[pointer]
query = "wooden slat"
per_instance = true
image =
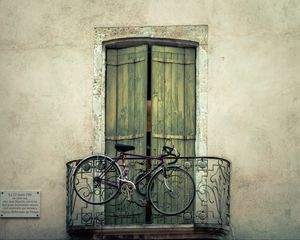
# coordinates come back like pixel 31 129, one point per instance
pixel 190 97
pixel 131 129
pixel 140 94
pixel 122 96
pixel 111 100
pixel 158 98
pixel 111 93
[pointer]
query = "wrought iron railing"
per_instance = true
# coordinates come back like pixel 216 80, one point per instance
pixel 211 207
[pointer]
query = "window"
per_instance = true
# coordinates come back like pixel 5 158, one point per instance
pixel 150 102
pixel 122 39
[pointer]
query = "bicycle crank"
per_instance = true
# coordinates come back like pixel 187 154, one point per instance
pixel 127 188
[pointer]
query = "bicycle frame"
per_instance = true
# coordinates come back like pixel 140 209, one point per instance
pixel 124 155
pixel 131 156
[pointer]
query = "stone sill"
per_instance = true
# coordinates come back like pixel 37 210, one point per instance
pixel 151 232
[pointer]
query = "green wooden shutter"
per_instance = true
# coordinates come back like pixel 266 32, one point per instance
pixel 173 105
pixel 126 93
pixel 173 114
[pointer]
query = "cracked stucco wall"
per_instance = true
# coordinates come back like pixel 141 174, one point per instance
pixel 46 92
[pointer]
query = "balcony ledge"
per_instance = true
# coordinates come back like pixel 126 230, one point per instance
pixel 175 231
pixel 209 216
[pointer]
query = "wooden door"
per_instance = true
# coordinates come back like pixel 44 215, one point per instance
pixel 126 92
pixel 173 108
pixel 171 78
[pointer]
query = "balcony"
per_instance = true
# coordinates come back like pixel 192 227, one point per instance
pixel 208 217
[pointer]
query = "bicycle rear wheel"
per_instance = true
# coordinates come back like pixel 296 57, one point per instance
pixel 96 179
pixel 173 194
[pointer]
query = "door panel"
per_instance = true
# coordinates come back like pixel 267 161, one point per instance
pixel 126 92
pixel 172 115
pixel 173 107
pixel 173 98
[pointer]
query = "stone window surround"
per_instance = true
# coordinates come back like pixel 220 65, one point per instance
pixel 193 33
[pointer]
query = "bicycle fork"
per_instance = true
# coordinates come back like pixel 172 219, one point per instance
pixel 167 182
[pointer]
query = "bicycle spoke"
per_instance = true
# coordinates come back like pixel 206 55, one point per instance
pixel 172 194
pixel 96 180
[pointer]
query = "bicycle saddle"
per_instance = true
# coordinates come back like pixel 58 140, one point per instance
pixel 123 148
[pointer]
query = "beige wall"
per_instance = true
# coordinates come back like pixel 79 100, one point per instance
pixel 46 79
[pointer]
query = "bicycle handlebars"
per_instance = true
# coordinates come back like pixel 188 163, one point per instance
pixel 169 151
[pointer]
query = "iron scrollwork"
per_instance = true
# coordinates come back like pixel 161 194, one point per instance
pixel 213 191
pixel 211 205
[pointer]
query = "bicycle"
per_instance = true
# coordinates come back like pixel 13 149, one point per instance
pixel 98 179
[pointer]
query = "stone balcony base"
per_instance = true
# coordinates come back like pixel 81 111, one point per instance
pixel 151 232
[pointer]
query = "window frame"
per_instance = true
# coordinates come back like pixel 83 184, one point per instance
pixel 131 42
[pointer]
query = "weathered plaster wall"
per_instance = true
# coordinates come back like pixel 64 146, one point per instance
pixel 46 80
pixel 253 118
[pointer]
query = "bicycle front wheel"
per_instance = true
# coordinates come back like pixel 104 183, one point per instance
pixel 96 179
pixel 172 192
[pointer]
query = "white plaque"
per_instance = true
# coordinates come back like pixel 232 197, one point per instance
pixel 20 204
